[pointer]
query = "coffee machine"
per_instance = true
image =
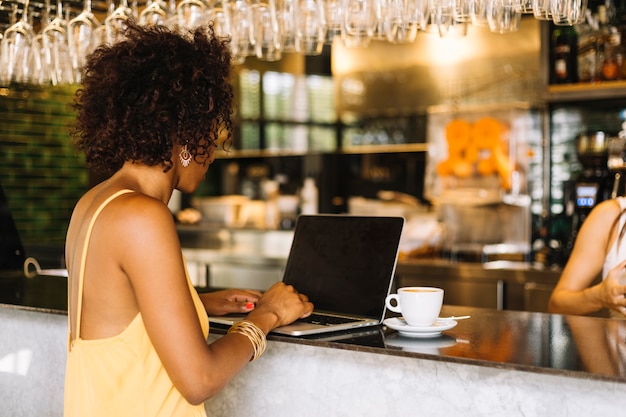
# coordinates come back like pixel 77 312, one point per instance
pixel 603 176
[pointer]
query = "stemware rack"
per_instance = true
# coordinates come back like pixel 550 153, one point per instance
pixel 37 8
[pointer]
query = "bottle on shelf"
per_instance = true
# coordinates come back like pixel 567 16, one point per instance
pixel 587 48
pixel 610 52
pixel 309 197
pixel 618 51
pixel 620 23
pixel 271 191
pixel 565 55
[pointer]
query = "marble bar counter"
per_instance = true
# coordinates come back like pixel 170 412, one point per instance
pixel 496 363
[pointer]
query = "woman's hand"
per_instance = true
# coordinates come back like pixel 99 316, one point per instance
pixel 280 305
pixel 219 303
pixel 575 293
pixel 612 291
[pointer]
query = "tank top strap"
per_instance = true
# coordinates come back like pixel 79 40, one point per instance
pixel 83 261
pixel 620 225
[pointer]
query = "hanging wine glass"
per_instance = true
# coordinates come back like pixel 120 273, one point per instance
pixel 35 58
pixel 116 22
pixel 359 23
pixel 382 10
pixel 526 6
pixel 56 62
pixel 222 28
pixel 478 12
pixel 311 27
pixel 190 13
pixel 442 15
pixel 265 34
pixel 4 51
pixel 542 9
pixel 16 46
pixel 156 12
pixel 286 15
pixel 418 13
pixel 239 16
pixel 100 32
pixel 81 38
pixel 504 16
pixel 221 25
pixel 399 27
pixel 333 15
pixel 568 12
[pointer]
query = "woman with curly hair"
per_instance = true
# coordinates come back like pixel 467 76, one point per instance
pixel 151 111
pixel 599 251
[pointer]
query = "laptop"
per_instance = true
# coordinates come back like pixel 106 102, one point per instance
pixel 345 264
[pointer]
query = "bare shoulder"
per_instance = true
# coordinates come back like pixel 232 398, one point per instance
pixel 139 212
pixel 611 205
pixel 598 228
pixel 136 203
pixel 140 234
pixel 605 212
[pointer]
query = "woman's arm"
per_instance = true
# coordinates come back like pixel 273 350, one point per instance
pixel 150 255
pixel 218 303
pixel 573 293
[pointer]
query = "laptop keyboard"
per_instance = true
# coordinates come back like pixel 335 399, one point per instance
pixel 326 320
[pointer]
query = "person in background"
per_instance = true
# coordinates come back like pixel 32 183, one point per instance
pixel 151 111
pixel 599 251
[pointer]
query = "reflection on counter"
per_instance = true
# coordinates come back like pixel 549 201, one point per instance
pixel 601 345
pixel 428 346
pixel 570 345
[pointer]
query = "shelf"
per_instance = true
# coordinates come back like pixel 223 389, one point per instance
pixel 400 148
pixel 586 92
pixel 260 153
pixel 364 149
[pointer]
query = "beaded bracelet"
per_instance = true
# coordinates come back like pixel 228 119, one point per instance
pixel 253 333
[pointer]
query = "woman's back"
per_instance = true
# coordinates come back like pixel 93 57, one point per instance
pixel 119 375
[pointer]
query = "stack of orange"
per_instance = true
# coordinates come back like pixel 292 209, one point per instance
pixel 477 148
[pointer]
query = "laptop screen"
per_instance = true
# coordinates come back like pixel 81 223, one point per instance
pixel 344 264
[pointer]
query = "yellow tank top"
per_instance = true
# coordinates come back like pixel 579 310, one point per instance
pixel 122 375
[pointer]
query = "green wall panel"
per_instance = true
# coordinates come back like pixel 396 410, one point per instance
pixel 40 171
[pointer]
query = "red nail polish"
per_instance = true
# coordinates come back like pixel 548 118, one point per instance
pixel 249 306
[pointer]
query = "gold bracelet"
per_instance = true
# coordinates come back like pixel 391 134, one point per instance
pixel 253 333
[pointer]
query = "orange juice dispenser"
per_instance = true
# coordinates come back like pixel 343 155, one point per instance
pixel 475 178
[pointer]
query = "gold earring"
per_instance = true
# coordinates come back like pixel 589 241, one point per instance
pixel 185 156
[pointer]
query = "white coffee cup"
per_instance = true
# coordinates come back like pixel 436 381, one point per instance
pixel 420 306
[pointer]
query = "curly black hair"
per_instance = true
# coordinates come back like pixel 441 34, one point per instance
pixel 156 88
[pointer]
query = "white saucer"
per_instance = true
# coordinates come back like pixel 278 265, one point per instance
pixel 434 330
